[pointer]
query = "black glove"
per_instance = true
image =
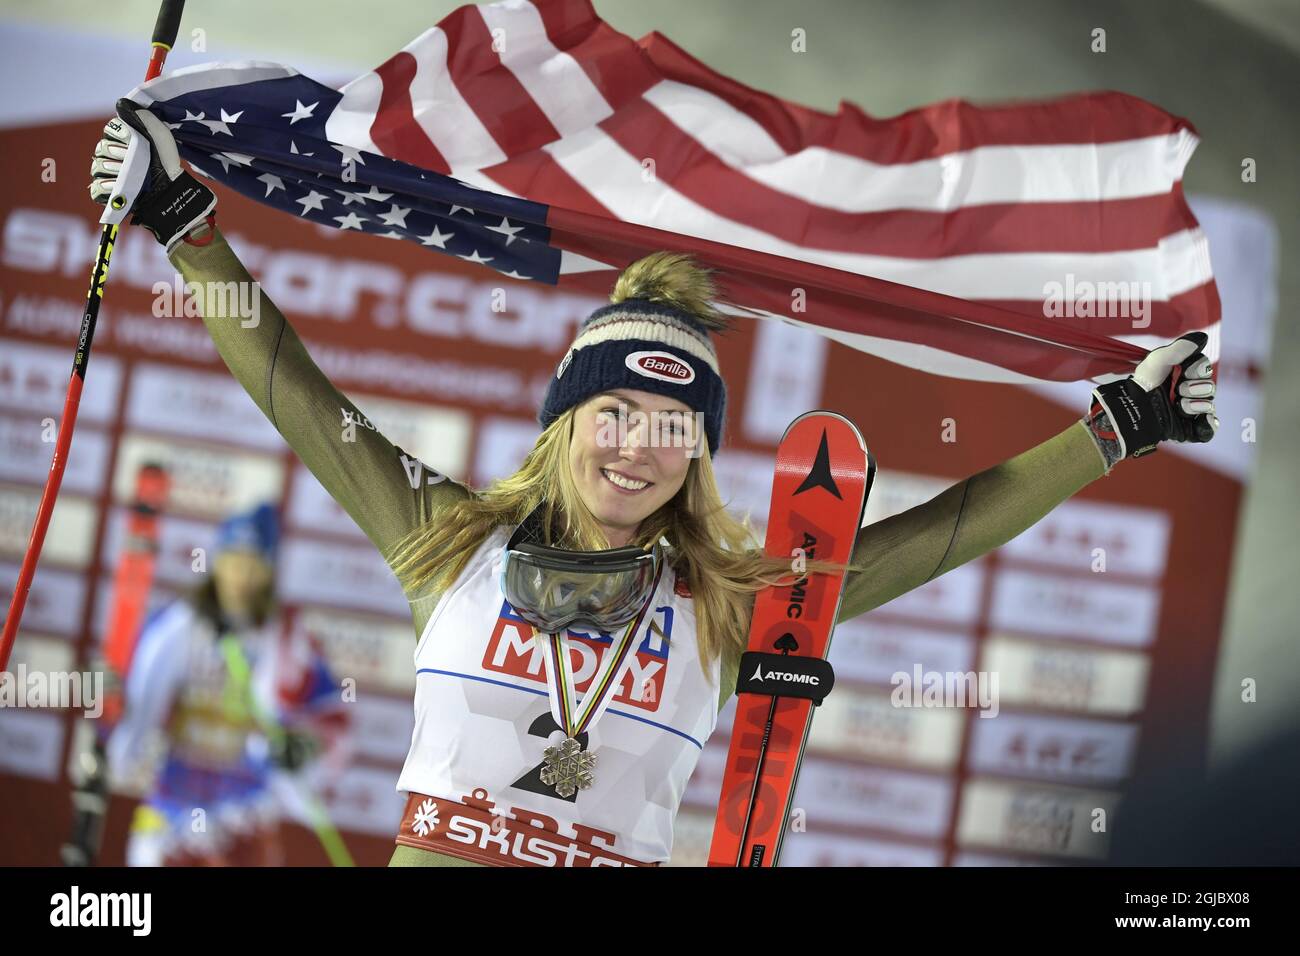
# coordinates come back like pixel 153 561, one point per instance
pixel 1169 397
pixel 137 170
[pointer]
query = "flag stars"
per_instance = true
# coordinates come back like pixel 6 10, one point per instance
pixel 350 154
pixel 349 197
pixel 396 216
pixel 311 201
pixel 506 230
pixel 437 238
pixel 222 125
pixel 239 159
pixel 350 221
pixel 272 183
pixel 326 198
pixel 299 111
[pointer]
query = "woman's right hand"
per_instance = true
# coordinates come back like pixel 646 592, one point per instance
pixel 137 169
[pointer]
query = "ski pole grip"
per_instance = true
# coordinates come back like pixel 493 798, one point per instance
pixel 168 23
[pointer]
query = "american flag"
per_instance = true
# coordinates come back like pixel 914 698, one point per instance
pixel 533 138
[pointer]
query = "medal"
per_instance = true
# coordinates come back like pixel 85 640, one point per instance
pixel 568 768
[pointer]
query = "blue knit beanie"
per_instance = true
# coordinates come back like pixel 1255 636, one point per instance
pixel 256 530
pixel 646 344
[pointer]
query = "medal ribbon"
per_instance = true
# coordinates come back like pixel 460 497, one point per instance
pixel 573 718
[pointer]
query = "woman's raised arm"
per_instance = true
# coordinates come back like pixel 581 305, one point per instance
pixel 386 491
pixel 972 517
pixel 1169 397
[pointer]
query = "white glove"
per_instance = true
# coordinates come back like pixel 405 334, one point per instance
pixel 137 169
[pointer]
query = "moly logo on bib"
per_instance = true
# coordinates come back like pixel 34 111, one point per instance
pixel 512 650
pixel 663 366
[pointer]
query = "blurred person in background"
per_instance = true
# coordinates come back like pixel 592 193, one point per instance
pixel 215 706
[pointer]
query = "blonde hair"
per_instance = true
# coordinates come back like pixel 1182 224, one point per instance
pixel 718 556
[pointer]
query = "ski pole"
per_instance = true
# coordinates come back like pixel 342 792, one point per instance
pixel 164 35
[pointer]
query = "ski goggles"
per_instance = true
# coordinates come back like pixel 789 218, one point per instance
pixel 552 588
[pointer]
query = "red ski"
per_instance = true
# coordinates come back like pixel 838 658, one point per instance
pixel 823 474
pixel 133 579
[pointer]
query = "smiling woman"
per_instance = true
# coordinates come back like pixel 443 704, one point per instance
pixel 624 482
pixel 495 700
pixel 631 420
pixel 644 371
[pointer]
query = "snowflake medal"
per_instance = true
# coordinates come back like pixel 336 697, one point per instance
pixel 568 768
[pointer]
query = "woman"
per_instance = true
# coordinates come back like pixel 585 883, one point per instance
pixel 506 766
pixel 206 703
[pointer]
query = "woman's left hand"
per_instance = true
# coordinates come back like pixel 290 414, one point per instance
pixel 1169 397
